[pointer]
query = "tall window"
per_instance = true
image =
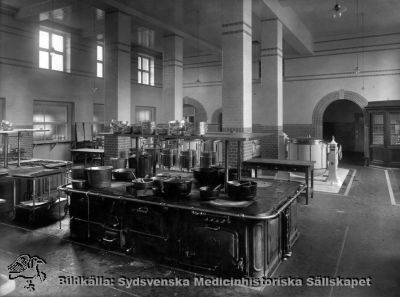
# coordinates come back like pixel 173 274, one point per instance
pixel 145 70
pixel 53 116
pixel 145 113
pixel 51 50
pixel 100 60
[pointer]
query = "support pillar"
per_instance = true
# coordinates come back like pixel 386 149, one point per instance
pixel 237 66
pixel 172 79
pixel 271 89
pixel 117 74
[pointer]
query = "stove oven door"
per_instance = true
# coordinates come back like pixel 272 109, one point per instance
pixel 146 228
pixel 213 248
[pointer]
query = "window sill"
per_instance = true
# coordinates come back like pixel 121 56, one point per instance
pixel 51 142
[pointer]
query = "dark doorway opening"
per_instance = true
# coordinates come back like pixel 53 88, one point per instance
pixel 344 120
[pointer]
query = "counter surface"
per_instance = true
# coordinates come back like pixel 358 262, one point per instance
pixel 268 199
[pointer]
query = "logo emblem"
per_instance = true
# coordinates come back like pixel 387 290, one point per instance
pixel 27 267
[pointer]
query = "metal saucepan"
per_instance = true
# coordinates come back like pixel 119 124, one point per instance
pixel 177 187
pixel 142 183
pixel 209 193
pixel 242 190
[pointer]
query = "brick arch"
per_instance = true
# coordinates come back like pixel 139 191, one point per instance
pixel 318 113
pixel 201 113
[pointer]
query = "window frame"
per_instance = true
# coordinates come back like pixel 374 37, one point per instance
pixel 100 61
pixel 150 71
pixel 146 108
pixel 68 123
pixel 51 50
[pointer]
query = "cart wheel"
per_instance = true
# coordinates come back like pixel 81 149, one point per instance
pixel 11 215
pixel 31 218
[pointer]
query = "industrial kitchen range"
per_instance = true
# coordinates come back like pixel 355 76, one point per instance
pixel 203 217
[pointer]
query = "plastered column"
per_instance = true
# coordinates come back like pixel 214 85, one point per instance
pixel 271 88
pixel 117 74
pixel 237 66
pixel 172 79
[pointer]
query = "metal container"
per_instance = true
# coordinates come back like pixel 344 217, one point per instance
pixel 118 162
pixel 242 190
pixel 177 187
pixel 78 172
pixel 124 174
pixel 209 193
pixel 201 128
pixel 145 165
pixel 100 176
pixel 132 162
pixel 142 183
pixel 187 159
pixel 309 149
pixel 208 176
pixel 207 159
pixel 78 183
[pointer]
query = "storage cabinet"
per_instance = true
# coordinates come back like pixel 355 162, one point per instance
pixel 384 138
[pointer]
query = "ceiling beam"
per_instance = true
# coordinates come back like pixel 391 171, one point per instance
pixel 297 35
pixel 154 21
pixel 38 8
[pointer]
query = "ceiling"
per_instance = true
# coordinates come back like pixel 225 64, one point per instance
pixel 203 19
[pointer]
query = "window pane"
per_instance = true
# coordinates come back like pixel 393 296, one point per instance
pixel 99 53
pixel 143 115
pixel 57 62
pixel 145 64
pixel 139 63
pixel 377 119
pixel 54 113
pixel 44 59
pixel 57 42
pixel 395 118
pixel 145 78
pixel 44 39
pixel 139 77
pixel 99 69
pixel 152 72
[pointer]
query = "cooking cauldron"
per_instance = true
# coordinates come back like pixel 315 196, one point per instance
pixel 177 187
pixel 242 190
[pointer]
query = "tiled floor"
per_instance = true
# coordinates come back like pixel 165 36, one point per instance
pixel 355 236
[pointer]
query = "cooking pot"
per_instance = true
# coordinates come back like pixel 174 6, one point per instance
pixel 209 193
pixel 142 183
pixel 208 176
pixel 125 174
pixel 242 190
pixel 158 181
pixel 99 176
pixel 78 172
pixel 177 187
pixel 78 183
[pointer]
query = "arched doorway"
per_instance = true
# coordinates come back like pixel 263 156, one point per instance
pixel 193 110
pixel 345 120
pixel 216 119
pixel 360 121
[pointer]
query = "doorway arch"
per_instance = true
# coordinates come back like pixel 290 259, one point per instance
pixel 318 113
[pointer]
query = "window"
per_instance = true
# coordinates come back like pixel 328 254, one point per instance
pixel 145 37
pixel 98 118
pixel 100 60
pixel 377 129
pixel 146 70
pixel 52 50
pixel 394 128
pixel 145 113
pixel 53 116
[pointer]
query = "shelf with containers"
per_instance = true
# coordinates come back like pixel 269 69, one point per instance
pixel 225 138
